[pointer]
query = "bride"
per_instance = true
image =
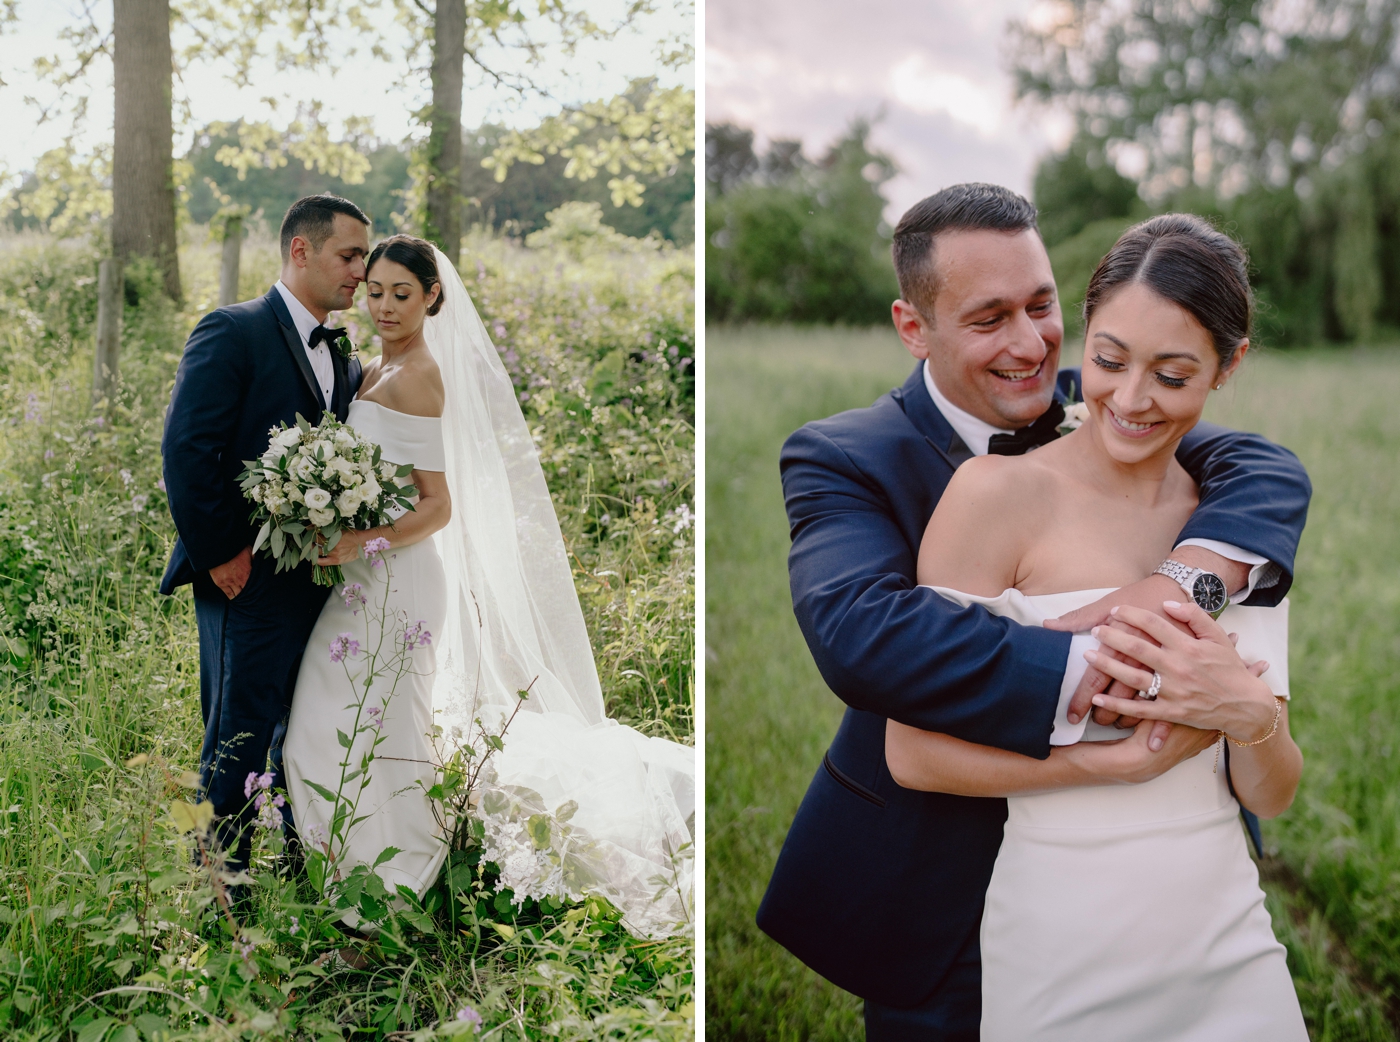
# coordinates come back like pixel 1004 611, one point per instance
pixel 1124 912
pixel 479 566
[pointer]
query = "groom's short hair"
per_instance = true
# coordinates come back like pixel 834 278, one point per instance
pixel 313 218
pixel 972 207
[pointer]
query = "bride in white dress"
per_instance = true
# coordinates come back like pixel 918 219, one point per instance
pixel 482 564
pixel 1124 911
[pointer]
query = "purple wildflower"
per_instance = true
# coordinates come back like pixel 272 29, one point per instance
pixel 296 926
pixel 354 596
pixel 344 646
pixel 31 412
pixel 470 1015
pixel 376 717
pixel 417 635
pixel 160 484
pixel 48 454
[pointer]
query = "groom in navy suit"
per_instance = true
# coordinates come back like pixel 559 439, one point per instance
pixel 247 368
pixel 978 308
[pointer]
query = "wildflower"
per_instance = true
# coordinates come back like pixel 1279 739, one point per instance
pixel 354 596
pixel 376 546
pixel 296 926
pixel 99 422
pixel 31 412
pixel 344 646
pixel 160 484
pixel 138 502
pixel 683 518
pixel 470 1015
pixel 417 635
pixel 316 836
pixel 48 454
pixel 256 781
pixel 126 477
pixel 376 717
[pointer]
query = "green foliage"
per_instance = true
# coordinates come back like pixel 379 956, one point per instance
pixel 1267 122
pixel 1079 188
pixel 1334 855
pixel 107 929
pixel 804 244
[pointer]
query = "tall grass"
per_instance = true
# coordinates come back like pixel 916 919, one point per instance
pixel 105 930
pixel 1333 856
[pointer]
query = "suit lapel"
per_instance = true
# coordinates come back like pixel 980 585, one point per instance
pixel 293 341
pixel 927 420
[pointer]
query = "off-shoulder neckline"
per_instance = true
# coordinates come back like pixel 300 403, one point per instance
pixel 406 415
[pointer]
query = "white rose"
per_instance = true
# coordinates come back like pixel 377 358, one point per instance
pixel 348 502
pixel 289 438
pixel 321 518
pixel 365 467
pixel 322 448
pixel 294 494
pixel 317 499
pixel 387 470
pixel 370 490
pixel 304 468
pixel 272 455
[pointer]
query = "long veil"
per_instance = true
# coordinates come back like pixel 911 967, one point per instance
pixel 619 804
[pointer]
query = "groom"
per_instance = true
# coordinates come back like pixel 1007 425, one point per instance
pixel 247 368
pixel 879 888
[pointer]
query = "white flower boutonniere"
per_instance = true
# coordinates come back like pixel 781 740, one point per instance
pixel 1075 415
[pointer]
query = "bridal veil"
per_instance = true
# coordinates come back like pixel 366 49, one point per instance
pixel 514 622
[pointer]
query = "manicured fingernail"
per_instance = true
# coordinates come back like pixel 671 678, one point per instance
pixel 1094 632
pixel 1155 744
pixel 1171 604
pixel 1072 717
pixel 1099 700
pixel 1113 610
pixel 1091 656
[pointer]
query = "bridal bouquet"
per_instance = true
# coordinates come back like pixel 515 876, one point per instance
pixel 312 484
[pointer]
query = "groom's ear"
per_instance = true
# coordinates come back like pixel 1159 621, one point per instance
pixel 912 327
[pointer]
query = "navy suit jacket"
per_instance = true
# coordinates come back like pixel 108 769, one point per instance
pixel 244 371
pixel 878 887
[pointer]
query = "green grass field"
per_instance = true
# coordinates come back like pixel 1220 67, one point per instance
pixel 1334 858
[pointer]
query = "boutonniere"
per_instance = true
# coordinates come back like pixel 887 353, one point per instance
pixel 345 347
pixel 1075 415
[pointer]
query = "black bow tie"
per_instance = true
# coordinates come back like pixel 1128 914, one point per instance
pixel 320 333
pixel 1043 430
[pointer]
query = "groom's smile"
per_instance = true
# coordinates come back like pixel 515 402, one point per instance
pixel 988 323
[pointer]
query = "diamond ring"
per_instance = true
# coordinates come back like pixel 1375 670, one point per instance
pixel 1154 689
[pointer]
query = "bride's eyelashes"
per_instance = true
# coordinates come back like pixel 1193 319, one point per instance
pixel 1117 367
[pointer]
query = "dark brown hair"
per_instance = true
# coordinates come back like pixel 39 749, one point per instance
pixel 1181 258
pixel 414 254
pixel 313 218
pixel 961 208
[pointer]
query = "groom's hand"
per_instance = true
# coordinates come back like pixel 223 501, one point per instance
pixel 232 576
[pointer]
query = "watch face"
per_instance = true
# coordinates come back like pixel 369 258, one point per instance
pixel 1208 591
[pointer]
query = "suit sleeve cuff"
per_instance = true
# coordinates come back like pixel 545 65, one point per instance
pixel 1064 732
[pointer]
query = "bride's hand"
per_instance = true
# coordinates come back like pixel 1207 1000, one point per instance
pixel 1204 683
pixel 350 548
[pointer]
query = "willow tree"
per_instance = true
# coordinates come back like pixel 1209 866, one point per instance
pixel 1281 118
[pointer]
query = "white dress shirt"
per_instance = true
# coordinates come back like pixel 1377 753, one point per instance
pixel 976 435
pixel 320 355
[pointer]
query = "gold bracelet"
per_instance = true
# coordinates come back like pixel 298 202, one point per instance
pixel 1278 714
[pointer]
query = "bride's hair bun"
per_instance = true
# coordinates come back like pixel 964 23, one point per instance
pixel 414 254
pixel 1181 258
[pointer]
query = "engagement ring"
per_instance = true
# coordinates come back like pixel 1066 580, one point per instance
pixel 1153 689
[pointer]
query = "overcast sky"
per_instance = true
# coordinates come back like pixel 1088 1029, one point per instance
pixel 805 68
pixel 364 87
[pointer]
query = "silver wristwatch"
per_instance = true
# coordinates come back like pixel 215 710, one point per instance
pixel 1205 588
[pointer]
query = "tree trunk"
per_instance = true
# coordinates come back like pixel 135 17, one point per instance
pixel 109 328
pixel 143 188
pixel 444 223
pixel 228 270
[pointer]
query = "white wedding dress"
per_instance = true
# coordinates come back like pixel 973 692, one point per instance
pixel 574 803
pixel 1133 912
pixel 394 802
